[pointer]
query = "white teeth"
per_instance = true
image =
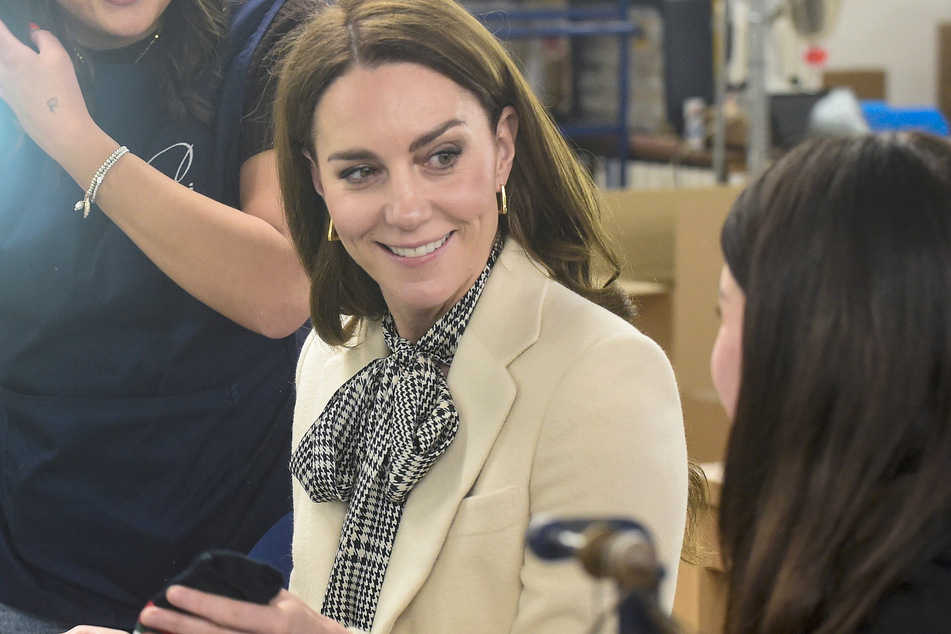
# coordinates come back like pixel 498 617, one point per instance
pixel 419 251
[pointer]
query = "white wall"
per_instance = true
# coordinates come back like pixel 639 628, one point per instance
pixel 899 36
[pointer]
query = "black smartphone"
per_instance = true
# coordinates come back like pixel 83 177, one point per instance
pixel 225 573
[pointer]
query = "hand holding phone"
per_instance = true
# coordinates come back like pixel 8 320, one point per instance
pixel 225 573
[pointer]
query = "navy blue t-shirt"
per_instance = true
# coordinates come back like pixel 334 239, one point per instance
pixel 138 427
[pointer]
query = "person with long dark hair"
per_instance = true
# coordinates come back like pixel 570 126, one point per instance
pixel 470 367
pixel 834 360
pixel 150 299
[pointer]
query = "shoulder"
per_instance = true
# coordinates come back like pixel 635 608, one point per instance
pixel 316 354
pixel 322 368
pixel 290 14
pixel 597 366
pixel 525 303
pixel 522 266
pixel 566 314
pixel 260 82
pixel 561 343
pixel 564 307
pixel 267 26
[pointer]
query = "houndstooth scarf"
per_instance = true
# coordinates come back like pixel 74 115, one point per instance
pixel 377 437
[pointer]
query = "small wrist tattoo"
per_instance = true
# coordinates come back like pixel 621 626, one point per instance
pixel 52 104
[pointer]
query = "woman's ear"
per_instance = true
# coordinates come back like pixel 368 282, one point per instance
pixel 505 133
pixel 314 172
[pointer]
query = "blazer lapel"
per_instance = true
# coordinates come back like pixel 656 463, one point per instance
pixel 483 392
pixel 336 371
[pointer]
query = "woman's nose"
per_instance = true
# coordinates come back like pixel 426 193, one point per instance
pixel 408 206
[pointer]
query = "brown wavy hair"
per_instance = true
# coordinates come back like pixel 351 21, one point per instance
pixel 554 206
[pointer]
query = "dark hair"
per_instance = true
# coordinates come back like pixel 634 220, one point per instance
pixel 192 36
pixel 554 207
pixel 835 484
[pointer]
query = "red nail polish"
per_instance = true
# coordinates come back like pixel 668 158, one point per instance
pixel 34 26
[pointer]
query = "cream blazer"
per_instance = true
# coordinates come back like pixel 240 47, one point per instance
pixel 565 409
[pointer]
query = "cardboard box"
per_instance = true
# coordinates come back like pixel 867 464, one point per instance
pixel 669 240
pixel 944 69
pixel 700 601
pixel 866 83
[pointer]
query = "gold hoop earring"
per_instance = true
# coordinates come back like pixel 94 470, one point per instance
pixel 502 201
pixel 331 232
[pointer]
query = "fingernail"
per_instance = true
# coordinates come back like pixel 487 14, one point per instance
pixel 34 26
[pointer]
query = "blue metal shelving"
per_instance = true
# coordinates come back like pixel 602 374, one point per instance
pixel 608 20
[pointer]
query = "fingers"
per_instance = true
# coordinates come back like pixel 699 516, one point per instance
pixel 12 48
pixel 229 612
pixel 89 629
pixel 45 40
pixel 165 620
pixel 213 614
pixel 207 614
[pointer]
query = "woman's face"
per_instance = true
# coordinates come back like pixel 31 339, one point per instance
pixel 726 358
pixel 408 165
pixel 107 24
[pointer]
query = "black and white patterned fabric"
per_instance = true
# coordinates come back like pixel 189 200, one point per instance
pixel 377 437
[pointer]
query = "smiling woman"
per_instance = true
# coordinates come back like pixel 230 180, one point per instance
pixel 466 371
pixel 407 161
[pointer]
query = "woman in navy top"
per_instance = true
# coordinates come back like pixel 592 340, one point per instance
pixel 147 350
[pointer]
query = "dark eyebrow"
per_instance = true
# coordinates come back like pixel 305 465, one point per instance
pixel 432 136
pixel 429 137
pixel 350 155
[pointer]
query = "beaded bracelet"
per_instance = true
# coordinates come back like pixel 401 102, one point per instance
pixel 97 179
